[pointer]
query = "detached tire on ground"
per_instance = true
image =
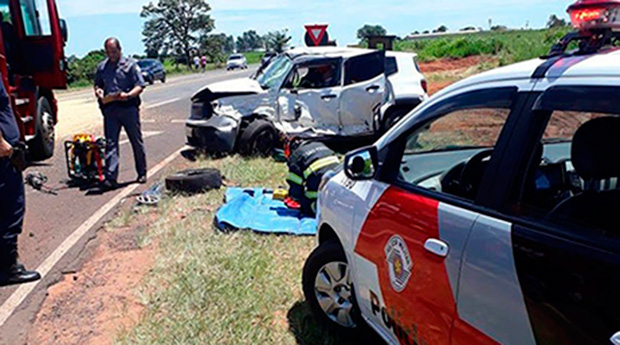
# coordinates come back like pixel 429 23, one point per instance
pixel 42 145
pixel 329 291
pixel 194 181
pixel 258 139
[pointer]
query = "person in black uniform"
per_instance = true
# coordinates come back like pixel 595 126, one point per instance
pixel 12 199
pixel 308 162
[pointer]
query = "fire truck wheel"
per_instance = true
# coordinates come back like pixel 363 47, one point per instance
pixel 194 181
pixel 258 139
pixel 329 291
pixel 42 145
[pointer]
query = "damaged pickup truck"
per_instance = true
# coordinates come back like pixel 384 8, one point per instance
pixel 323 93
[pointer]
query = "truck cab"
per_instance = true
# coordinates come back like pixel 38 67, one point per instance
pixel 32 64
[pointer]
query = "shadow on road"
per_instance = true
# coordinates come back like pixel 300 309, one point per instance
pixel 308 332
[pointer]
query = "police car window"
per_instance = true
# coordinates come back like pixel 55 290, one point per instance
pixel 363 68
pixel 437 156
pixel 35 14
pixel 567 180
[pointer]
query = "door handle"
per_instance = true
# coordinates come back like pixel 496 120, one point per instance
pixel 372 88
pixel 328 97
pixel 437 247
pixel 615 339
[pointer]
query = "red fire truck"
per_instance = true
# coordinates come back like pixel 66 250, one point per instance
pixel 32 64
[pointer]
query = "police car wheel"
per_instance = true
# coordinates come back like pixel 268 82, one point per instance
pixel 329 290
pixel 42 145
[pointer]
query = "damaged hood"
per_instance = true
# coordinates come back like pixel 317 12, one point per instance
pixel 235 87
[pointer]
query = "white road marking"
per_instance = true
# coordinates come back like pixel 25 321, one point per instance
pixel 145 134
pixel 147 120
pixel 162 103
pixel 178 121
pixel 18 297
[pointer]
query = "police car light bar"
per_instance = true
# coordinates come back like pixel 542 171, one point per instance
pixel 595 14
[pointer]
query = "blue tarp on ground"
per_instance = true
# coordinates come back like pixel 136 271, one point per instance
pixel 254 209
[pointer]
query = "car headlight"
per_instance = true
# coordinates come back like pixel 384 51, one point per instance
pixel 198 111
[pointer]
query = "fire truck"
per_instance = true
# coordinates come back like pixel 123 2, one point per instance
pixel 32 65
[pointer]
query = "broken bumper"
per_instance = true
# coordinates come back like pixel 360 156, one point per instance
pixel 215 135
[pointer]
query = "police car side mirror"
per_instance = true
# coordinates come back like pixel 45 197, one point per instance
pixel 361 164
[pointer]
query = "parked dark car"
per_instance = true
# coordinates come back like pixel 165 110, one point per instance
pixel 152 70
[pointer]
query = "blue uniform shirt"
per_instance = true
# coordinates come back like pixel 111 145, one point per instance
pixel 119 77
pixel 8 125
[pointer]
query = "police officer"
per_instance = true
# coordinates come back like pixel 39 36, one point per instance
pixel 12 199
pixel 118 85
pixel 308 162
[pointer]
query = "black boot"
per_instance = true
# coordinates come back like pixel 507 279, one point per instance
pixel 17 274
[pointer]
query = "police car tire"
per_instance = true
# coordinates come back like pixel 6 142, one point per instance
pixel 248 139
pixel 194 181
pixel 330 251
pixel 40 149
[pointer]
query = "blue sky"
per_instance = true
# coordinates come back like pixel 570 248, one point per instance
pixel 91 21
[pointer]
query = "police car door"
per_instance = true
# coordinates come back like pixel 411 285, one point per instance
pixel 409 251
pixel 363 93
pixel 310 95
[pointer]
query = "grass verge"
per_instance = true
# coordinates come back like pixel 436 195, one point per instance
pixel 213 288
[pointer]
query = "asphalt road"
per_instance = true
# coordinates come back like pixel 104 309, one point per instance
pixel 52 221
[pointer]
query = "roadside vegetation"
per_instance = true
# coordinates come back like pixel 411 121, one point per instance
pixel 508 46
pixel 209 287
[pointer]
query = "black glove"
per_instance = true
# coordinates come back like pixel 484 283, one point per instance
pixel 19 157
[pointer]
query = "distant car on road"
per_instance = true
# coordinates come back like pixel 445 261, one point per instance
pixel 236 61
pixel 267 57
pixel 152 70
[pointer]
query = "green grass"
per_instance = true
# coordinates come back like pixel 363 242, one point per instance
pixel 509 47
pixel 253 57
pixel 227 289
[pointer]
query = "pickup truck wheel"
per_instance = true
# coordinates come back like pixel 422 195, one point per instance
pixel 328 289
pixel 258 139
pixel 163 79
pixel 42 145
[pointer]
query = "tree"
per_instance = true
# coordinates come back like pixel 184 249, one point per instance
pixel 442 28
pixel 217 46
pixel 370 30
pixel 277 40
pixel 468 28
pixel 249 41
pixel 555 22
pixel 499 28
pixel 176 25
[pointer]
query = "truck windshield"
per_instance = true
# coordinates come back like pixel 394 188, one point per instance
pixel 5 12
pixel 35 15
pixel 275 73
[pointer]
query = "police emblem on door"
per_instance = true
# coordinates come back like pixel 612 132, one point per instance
pixel 399 262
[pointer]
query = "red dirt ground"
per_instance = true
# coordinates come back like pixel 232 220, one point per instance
pixel 91 306
pixel 443 65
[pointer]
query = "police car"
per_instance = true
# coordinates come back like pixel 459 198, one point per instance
pixel 490 214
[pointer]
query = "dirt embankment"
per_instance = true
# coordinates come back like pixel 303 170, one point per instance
pixel 92 305
pixel 444 72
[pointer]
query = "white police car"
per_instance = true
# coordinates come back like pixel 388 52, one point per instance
pixel 489 215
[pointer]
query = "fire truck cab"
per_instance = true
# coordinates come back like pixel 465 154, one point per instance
pixel 32 64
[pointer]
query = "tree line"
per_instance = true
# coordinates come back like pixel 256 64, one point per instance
pixel 178 30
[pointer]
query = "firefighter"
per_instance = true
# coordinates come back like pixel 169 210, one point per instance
pixel 12 198
pixel 118 85
pixel 307 162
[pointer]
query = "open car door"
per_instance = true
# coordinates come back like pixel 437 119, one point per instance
pixel 363 93
pixel 42 35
